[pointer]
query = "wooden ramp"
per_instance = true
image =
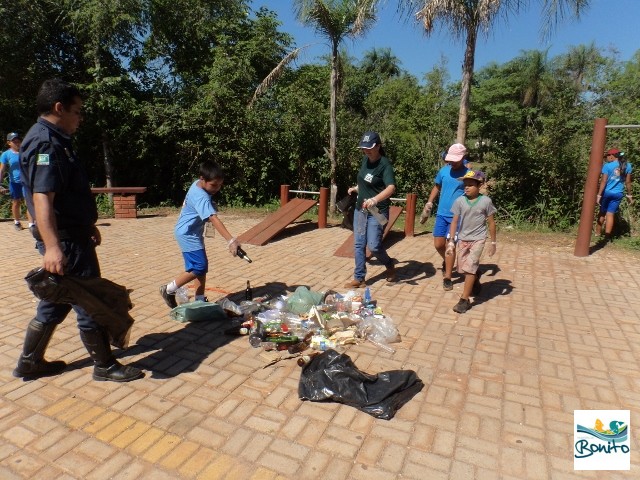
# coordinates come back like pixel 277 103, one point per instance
pixel 346 249
pixel 277 221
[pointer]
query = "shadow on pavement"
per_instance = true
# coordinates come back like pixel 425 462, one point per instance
pixel 409 272
pixel 184 350
pixel 492 288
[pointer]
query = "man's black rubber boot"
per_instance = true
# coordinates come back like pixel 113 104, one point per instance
pixel 106 367
pixel 31 363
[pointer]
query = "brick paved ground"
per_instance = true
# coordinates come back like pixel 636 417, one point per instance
pixel 552 333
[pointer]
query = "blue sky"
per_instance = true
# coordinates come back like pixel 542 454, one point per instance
pixel 610 24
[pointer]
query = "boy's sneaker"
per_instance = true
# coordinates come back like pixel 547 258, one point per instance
pixel 17 226
pixel 477 286
pixel 462 306
pixel 169 298
pixel 447 284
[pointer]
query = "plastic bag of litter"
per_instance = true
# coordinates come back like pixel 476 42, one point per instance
pixel 303 299
pixel 331 376
pixel 198 311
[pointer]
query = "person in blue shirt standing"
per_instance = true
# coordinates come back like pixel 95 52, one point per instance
pixel 10 160
pixel 615 178
pixel 198 209
pixel 447 188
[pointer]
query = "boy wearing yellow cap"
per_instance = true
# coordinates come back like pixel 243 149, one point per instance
pixel 472 212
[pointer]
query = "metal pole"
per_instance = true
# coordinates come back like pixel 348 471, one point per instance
pixel 585 226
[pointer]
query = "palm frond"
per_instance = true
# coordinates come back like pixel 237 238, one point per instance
pixel 365 17
pixel 276 73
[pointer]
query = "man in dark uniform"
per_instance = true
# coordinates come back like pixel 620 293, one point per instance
pixel 59 198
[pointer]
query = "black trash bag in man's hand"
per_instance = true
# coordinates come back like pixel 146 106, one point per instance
pixel 331 376
pixel 107 302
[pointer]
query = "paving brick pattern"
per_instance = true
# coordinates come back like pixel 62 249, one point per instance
pixel 551 333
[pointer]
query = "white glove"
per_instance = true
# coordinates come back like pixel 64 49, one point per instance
pixel 369 202
pixel 426 212
pixel 234 244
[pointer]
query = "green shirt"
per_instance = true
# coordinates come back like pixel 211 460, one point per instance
pixel 373 178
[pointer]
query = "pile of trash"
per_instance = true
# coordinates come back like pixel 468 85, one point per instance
pixel 315 327
pixel 315 321
pixel 305 320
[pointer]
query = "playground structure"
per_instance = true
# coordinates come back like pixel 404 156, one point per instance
pixel 292 208
pixel 598 142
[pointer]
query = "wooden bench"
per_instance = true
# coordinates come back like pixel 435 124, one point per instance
pixel 346 249
pixel 124 199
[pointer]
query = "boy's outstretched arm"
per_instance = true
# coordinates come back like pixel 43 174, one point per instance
pixel 222 230
pixel 492 234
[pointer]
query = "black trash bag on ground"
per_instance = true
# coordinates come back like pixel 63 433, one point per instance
pixel 107 302
pixel 347 206
pixel 331 376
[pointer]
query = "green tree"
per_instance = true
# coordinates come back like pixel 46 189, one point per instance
pixel 107 33
pixel 467 19
pixel 335 20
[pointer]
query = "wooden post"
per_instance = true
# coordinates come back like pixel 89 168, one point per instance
pixel 322 207
pixel 410 215
pixel 284 195
pixel 598 141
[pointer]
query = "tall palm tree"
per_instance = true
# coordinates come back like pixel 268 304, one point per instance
pixel 584 63
pixel 466 19
pixel 335 20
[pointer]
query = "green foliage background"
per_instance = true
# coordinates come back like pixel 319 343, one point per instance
pixel 164 90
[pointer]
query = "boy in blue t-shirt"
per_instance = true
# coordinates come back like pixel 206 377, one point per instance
pixel 448 188
pixel 10 160
pixel 198 209
pixel 616 177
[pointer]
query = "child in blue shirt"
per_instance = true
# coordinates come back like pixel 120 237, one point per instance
pixel 616 176
pixel 198 209
pixel 447 188
pixel 10 160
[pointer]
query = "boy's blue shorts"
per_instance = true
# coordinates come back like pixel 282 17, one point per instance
pixel 15 191
pixel 196 262
pixel 442 226
pixel 610 203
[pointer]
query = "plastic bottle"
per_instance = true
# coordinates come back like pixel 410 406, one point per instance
pixel 248 293
pixel 257 334
pixel 243 255
pixel 382 220
pixel 302 345
pixel 367 296
pixel 182 295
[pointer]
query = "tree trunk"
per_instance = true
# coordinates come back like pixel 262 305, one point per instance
pixel 467 78
pixel 108 164
pixel 106 156
pixel 333 128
